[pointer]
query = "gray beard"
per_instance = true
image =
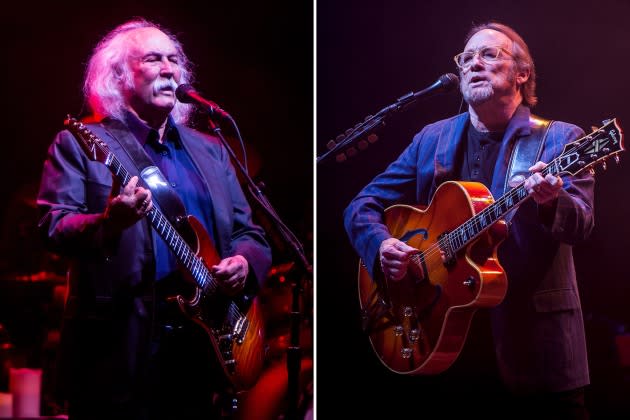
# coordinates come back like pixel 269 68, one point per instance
pixel 478 95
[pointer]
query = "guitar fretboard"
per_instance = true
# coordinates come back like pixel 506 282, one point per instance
pixel 458 238
pixel 98 150
pixel 171 236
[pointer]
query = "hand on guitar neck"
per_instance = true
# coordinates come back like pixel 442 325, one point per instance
pixel 128 207
pixel 543 189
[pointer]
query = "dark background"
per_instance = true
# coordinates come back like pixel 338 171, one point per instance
pixel 371 53
pixel 255 59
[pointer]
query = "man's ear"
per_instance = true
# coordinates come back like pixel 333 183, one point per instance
pixel 522 76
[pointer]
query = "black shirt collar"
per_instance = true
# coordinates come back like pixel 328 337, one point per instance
pixel 144 133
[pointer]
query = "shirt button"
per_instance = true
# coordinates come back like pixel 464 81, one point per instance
pixel 173 184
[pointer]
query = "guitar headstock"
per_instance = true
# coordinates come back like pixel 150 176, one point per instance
pixel 592 149
pixel 95 148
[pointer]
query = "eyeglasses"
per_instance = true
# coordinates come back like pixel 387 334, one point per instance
pixel 486 54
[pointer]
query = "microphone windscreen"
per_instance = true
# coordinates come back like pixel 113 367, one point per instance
pixel 449 81
pixel 182 93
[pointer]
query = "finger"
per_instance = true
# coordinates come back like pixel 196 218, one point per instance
pixel 403 247
pixel 149 200
pixel 396 274
pixel 554 181
pixel 395 254
pixel 394 264
pixel 143 202
pixel 236 280
pixel 532 183
pixel 537 167
pixel 220 268
pixel 131 186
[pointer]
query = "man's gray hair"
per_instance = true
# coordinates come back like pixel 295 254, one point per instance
pixel 108 72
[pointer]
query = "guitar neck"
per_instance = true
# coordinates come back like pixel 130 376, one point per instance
pixel 185 255
pixel 460 237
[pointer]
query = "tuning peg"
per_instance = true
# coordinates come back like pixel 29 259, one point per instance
pixel 331 145
pixel 362 144
pixel 341 157
pixel 351 152
pixel 372 138
pixel 591 171
pixel 604 166
pixel 594 129
pixel 617 159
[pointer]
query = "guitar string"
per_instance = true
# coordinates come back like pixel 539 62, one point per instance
pixel 189 258
pixel 473 224
pixel 194 264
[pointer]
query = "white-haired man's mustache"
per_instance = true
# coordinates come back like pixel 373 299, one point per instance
pixel 164 84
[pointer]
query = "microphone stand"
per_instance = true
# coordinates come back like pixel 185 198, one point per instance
pixel 372 122
pixel 294 352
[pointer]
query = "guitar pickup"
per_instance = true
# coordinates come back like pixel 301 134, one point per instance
pixel 240 328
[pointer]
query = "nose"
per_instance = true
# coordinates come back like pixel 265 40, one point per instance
pixel 167 68
pixel 476 61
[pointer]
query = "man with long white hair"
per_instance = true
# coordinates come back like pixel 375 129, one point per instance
pixel 124 353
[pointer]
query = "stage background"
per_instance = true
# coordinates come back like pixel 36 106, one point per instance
pixel 371 53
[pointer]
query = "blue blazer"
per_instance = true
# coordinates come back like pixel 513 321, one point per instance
pixel 538 329
pixel 107 320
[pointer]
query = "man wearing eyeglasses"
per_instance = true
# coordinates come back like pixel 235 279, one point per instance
pixel 537 328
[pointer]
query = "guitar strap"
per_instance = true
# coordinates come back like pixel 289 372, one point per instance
pixel 162 193
pixel 526 152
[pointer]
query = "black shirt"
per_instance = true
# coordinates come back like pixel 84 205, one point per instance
pixel 479 155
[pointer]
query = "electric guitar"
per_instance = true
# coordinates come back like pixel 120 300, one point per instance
pixel 234 326
pixel 418 325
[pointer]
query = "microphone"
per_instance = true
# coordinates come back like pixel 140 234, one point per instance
pixel 446 83
pixel 187 94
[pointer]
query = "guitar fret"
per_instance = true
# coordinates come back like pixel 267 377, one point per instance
pixel 196 269
pixel 186 259
pixel 482 219
pixel 503 206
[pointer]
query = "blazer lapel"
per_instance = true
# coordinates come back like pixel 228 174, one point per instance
pixel 446 150
pixel 209 171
